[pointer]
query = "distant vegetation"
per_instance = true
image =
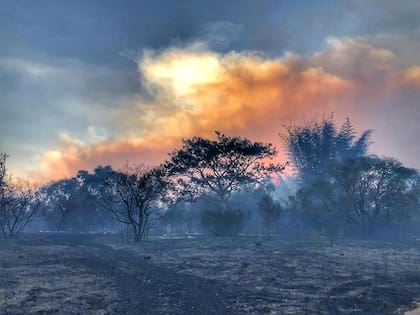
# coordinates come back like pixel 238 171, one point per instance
pixel 226 187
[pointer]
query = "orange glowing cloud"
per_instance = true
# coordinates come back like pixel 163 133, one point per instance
pixel 240 93
pixel 409 77
pixel 72 155
pixel 195 91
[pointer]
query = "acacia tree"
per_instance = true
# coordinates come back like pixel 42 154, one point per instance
pixel 365 191
pixel 312 147
pixel 133 195
pixel 215 169
pixel 19 202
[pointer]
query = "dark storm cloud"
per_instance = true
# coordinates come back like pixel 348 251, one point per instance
pixel 97 30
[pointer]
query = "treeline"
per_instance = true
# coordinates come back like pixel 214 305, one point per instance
pixel 228 186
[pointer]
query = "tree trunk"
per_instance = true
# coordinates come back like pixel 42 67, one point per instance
pixel 138 238
pixel 137 234
pixel 369 228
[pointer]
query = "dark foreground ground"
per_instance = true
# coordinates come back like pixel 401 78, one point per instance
pixel 65 274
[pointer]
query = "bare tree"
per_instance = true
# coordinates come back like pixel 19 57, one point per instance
pixel 3 171
pixel 3 185
pixel 19 202
pixel 133 195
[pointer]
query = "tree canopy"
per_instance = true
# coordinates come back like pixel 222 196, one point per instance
pixel 218 168
pixel 312 147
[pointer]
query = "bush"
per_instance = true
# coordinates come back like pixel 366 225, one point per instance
pixel 223 223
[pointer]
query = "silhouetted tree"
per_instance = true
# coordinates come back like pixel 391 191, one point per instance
pixel 312 147
pixel 366 191
pixel 133 195
pixel 95 215
pixel 69 204
pixel 215 169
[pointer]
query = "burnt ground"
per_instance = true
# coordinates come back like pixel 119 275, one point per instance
pixel 48 274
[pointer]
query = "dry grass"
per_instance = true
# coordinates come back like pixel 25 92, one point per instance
pixel 49 275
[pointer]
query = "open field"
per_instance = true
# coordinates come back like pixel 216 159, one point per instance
pixel 48 274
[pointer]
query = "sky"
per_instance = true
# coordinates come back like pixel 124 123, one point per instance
pixel 84 83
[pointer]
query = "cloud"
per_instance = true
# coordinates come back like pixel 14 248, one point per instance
pixel 40 98
pixel 220 34
pixel 196 91
pixel 410 77
pixel 237 92
pixel 28 68
pixel 356 59
pixel 71 155
pixel 193 90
